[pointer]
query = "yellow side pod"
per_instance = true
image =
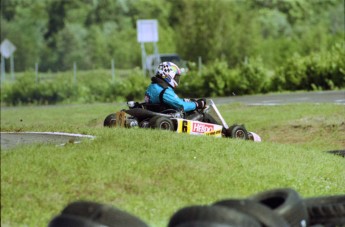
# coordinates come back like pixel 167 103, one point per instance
pixel 198 128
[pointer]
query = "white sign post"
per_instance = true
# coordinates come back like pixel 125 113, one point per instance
pixel 7 49
pixel 147 31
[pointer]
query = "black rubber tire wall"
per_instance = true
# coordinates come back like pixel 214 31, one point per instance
pixel 103 214
pixel 263 214
pixel 287 203
pixel 210 215
pixel 329 210
pixel 72 221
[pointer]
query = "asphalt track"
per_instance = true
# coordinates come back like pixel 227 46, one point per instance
pixel 337 97
pixel 12 139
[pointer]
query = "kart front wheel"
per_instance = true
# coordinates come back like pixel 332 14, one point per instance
pixel 238 132
pixel 162 123
pixel 110 121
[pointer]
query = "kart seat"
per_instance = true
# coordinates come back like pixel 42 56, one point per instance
pixel 155 107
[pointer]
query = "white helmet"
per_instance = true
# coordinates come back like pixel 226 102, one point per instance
pixel 169 72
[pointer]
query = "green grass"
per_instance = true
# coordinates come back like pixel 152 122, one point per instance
pixel 152 174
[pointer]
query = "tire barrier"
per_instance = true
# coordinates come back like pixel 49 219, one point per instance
pixel 327 211
pixel 286 203
pixel 338 152
pixel 91 214
pixel 282 207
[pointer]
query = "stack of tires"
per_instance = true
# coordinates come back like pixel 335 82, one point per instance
pixel 273 208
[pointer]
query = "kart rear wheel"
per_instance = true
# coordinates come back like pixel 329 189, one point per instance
pixel 110 121
pixel 144 124
pixel 238 132
pixel 161 123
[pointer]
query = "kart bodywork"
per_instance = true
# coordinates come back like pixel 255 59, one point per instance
pixel 207 121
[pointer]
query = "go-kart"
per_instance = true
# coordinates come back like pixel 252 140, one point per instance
pixel 207 121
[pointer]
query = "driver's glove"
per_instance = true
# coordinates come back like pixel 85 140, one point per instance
pixel 200 103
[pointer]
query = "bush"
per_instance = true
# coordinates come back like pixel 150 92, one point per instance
pixel 253 77
pixel 91 86
pixel 191 83
pixel 318 71
pixel 217 79
pixel 290 75
pixel 132 87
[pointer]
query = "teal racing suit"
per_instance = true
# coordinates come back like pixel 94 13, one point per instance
pixel 159 92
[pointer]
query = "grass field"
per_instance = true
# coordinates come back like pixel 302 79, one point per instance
pixel 152 174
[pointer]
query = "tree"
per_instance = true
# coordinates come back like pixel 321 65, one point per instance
pixel 22 22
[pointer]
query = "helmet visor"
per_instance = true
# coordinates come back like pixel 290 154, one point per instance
pixel 175 69
pixel 177 72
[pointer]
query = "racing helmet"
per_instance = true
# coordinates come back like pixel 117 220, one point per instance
pixel 169 72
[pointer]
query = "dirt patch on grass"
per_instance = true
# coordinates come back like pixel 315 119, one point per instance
pixel 306 130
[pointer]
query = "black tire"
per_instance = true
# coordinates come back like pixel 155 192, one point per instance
pixel 72 221
pixel 287 203
pixel 110 121
pixel 144 124
pixel 338 152
pixel 328 211
pixel 238 132
pixel 263 214
pixel 162 123
pixel 203 224
pixel 102 214
pixel 210 216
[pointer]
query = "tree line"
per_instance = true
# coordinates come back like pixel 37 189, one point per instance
pixel 56 33
pixel 246 47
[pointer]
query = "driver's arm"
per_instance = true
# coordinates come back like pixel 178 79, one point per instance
pixel 171 98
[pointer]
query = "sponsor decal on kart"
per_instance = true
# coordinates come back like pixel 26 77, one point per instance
pixel 198 128
pixel 202 127
pixel 214 133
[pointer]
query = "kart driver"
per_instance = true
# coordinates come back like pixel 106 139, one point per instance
pixel 161 90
